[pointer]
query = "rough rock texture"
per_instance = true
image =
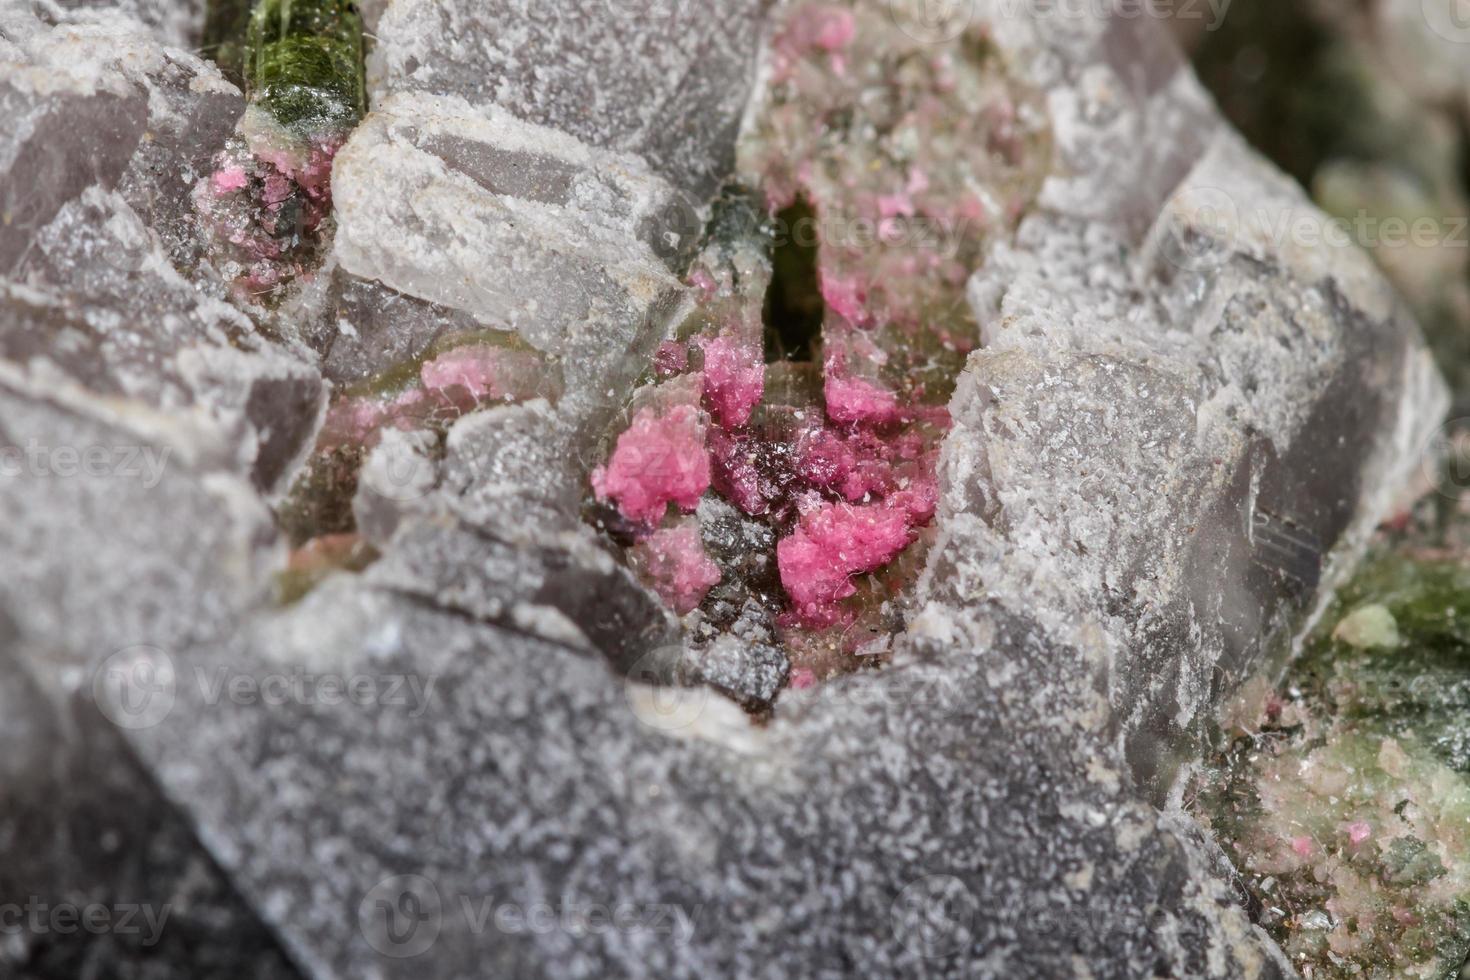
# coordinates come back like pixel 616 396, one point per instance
pixel 141 421
pixel 1341 795
pixel 93 99
pixel 801 849
pixel 665 81
pixel 99 246
pixel 1147 442
pixel 1145 493
pixel 571 231
pixel 124 526
pixel 177 23
pixel 84 826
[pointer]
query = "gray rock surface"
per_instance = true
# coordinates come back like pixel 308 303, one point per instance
pixel 85 828
pixel 662 80
pixel 569 231
pixel 124 525
pixel 95 100
pixel 452 765
pixel 913 822
pixel 98 253
pixel 1152 443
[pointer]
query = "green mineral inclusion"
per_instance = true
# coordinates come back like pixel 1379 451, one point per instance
pixel 1346 805
pixel 304 64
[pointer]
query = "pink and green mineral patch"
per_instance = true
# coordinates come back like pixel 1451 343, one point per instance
pixel 804 401
pixel 456 375
pixel 269 199
pixel 1344 797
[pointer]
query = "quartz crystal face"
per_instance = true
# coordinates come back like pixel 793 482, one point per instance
pixel 776 473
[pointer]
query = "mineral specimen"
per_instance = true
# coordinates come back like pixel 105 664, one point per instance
pixel 885 341
pixel 885 227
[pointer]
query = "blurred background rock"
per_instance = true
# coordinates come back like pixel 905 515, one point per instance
pixel 1367 104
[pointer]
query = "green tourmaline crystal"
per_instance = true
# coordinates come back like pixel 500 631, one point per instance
pixel 304 63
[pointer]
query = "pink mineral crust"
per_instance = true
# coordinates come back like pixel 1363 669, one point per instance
pixel 263 206
pixel 802 678
pixel 859 400
pixel 229 178
pixel 358 420
pixel 845 295
pixel 832 543
pixel 701 280
pixel 1302 846
pixel 918 500
pixel 676 563
pixel 734 379
pixel 837 460
pixel 475 367
pixel 659 460
pixel 735 473
pixel 1358 831
pixel 823 28
pixel 860 464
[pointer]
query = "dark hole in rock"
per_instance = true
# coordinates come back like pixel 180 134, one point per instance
pixel 793 309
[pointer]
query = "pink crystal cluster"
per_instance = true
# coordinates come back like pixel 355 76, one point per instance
pixel 848 481
pixel 264 206
pixel 675 561
pixel 905 156
pixel 459 374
